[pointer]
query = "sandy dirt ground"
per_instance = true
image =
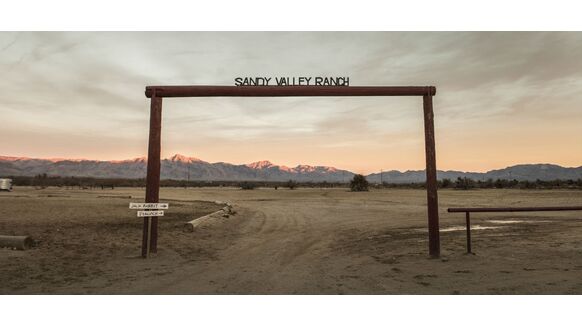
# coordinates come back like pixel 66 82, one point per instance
pixel 304 241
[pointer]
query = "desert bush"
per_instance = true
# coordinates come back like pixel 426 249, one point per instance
pixel 291 184
pixel 247 185
pixel 464 183
pixel 359 183
pixel 446 183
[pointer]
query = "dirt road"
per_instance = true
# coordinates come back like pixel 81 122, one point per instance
pixel 330 241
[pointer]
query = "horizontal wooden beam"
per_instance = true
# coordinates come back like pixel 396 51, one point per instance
pixel 284 91
pixel 514 209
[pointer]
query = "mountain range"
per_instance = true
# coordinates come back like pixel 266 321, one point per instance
pixel 181 167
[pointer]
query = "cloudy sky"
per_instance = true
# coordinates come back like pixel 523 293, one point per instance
pixel 502 98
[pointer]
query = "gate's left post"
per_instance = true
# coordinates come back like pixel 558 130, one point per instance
pixel 150 229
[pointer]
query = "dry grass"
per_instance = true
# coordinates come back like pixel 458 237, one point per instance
pixel 309 241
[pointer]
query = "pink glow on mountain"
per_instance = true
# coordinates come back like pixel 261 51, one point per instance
pixel 285 168
pixel 264 164
pixel 260 165
pixel 185 159
pixel 135 160
pixel 308 168
pixel 54 160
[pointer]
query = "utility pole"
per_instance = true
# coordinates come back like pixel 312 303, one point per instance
pixel 381 180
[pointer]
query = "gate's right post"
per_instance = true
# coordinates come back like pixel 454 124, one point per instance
pixel 431 176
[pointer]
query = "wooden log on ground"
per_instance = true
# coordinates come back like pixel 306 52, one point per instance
pixel 192 225
pixel 225 212
pixel 15 242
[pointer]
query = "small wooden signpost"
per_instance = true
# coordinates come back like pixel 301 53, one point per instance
pixel 150 210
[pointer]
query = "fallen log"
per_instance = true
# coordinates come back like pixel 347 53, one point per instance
pixel 190 226
pixel 16 242
pixel 225 212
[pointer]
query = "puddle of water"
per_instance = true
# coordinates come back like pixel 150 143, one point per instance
pixel 480 227
pixel 473 227
pixel 462 228
pixel 515 221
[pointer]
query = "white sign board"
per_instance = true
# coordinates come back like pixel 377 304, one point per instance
pixel 141 214
pixel 148 206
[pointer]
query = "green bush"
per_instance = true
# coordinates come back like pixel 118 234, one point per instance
pixel 359 183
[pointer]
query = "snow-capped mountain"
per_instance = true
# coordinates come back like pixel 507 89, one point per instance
pixel 180 167
pixel 177 167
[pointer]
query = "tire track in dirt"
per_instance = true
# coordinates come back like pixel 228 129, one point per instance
pixel 273 253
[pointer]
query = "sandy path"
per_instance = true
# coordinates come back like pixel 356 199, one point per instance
pixel 277 253
pixel 335 242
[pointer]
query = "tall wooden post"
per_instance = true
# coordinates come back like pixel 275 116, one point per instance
pixel 153 175
pixel 431 178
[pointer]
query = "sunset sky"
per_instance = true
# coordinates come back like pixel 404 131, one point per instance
pixel 502 98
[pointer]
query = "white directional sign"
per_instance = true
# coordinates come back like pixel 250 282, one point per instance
pixel 148 206
pixel 141 214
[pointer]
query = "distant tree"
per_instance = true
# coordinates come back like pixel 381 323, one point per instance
pixel 529 185
pixel 464 183
pixel 459 183
pixel 291 184
pixel 489 183
pixel 446 183
pixel 247 185
pixel 359 183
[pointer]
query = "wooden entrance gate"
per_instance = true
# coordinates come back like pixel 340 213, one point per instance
pixel 157 93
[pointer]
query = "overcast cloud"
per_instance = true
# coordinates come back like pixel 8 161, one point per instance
pixel 502 98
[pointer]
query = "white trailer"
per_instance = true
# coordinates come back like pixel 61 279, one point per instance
pixel 5 184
